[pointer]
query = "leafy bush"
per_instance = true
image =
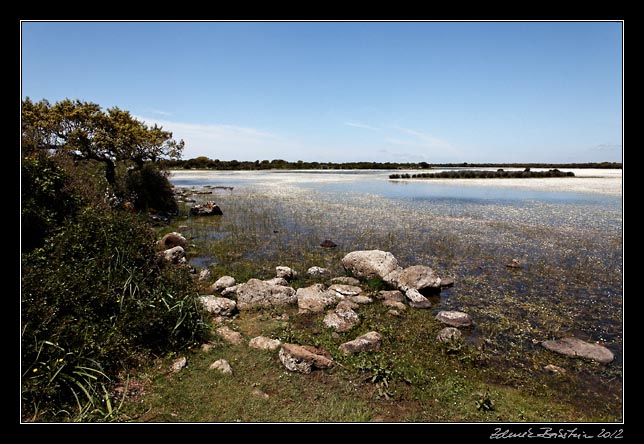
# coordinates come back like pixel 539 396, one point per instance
pixel 95 300
pixel 148 188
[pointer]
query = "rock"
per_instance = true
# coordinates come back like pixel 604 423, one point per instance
pixel 360 300
pixel 392 277
pixel 394 304
pixel 328 243
pixel 318 272
pixel 285 272
pixel 207 346
pixel 345 280
pixel 447 282
pixel 222 283
pixel 370 264
pixel 175 255
pixel 256 293
pixel 345 290
pixel 303 358
pixel 277 281
pixel 454 318
pixel 230 336
pixel 183 227
pixel 208 208
pixel 394 312
pixel 179 364
pixel 222 365
pixel 418 277
pixel 172 240
pixel 259 394
pixel 417 300
pixel 576 348
pixel 315 299
pixel 514 263
pixel 391 295
pixel 264 343
pixel 204 275
pixel 449 334
pixel 343 318
pixel 554 369
pixel 368 342
pixel 218 306
pixel 229 291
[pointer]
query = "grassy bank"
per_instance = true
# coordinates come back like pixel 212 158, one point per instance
pixel 496 374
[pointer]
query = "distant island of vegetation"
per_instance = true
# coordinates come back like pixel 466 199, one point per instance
pixel 205 163
pixel 484 174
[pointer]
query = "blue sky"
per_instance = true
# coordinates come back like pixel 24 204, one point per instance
pixel 347 91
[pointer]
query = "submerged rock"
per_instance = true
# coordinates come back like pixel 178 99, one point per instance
pixel 206 209
pixel 454 318
pixel 328 243
pixel 576 348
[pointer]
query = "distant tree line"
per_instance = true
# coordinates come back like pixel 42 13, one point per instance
pixel 477 174
pixel 206 163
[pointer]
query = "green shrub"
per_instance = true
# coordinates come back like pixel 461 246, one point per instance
pixel 148 188
pixel 95 300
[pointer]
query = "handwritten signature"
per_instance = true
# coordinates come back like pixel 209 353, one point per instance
pixel 550 433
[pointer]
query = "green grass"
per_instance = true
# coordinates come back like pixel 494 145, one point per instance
pixel 495 375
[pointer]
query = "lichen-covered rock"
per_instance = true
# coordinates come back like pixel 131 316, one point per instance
pixel 256 293
pixel 370 264
pixel 222 365
pixel 179 364
pixel 229 335
pixel 222 283
pixel 304 358
pixel 218 306
pixel 264 343
pixel 454 318
pixel 449 334
pixel 576 348
pixel 315 299
pixel 172 240
pixel 368 342
pixel 318 272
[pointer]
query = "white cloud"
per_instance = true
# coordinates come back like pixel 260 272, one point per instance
pixel 160 112
pixel 420 139
pixel 361 125
pixel 608 147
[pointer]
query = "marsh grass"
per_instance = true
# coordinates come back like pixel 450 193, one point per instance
pixel 570 284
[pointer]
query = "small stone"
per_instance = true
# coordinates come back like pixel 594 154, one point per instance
pixel 394 312
pixel 303 358
pixel 179 364
pixel 260 394
pixel 514 263
pixel 394 304
pixel 368 342
pixel 222 283
pixel 223 366
pixel 204 274
pixel 345 290
pixel 392 295
pixel 345 280
pixel 360 300
pixel 218 306
pixel 285 272
pixel 229 335
pixel 449 334
pixel 318 272
pixel 328 243
pixel 454 318
pixel 264 343
pixel 207 347
pixel 554 369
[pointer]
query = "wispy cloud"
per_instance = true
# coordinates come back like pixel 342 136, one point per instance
pixel 419 139
pixel 160 112
pixel 607 147
pixel 361 125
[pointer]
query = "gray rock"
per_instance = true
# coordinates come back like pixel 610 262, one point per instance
pixel 343 318
pixel 346 280
pixel 449 334
pixel 454 318
pixel 208 208
pixel 229 335
pixel 394 304
pixel 514 263
pixel 218 306
pixel 417 300
pixel 256 293
pixel 285 272
pixel 222 283
pixel 304 358
pixel 264 343
pixel 328 243
pixel 259 394
pixel 576 348
pixel 418 277
pixel 394 312
pixel 179 364
pixel 370 264
pixel 315 299
pixel 360 299
pixel 345 290
pixel 175 255
pixel 204 275
pixel 222 365
pixel 318 272
pixel 368 342
pixel 392 277
pixel 554 369
pixel 172 240
pixel 392 295
pixel 447 282
pixel 229 291
pixel 277 281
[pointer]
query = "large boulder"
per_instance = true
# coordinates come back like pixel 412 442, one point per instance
pixel 368 342
pixel 576 348
pixel 304 358
pixel 315 299
pixel 218 306
pixel 418 277
pixel 172 240
pixel 256 293
pixel 206 209
pixel 370 264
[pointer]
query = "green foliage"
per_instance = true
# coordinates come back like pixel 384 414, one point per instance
pixel 482 174
pixel 148 188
